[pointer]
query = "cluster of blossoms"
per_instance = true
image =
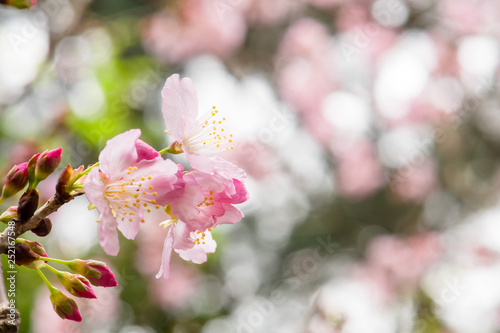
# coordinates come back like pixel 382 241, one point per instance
pixel 132 184
pixel 135 185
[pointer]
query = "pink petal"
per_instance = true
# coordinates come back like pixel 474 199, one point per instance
pixel 120 153
pixel 180 106
pixel 108 235
pixel 231 215
pixel 145 151
pixel 200 163
pixel 165 257
pixel 181 236
pixel 94 189
pixel 198 254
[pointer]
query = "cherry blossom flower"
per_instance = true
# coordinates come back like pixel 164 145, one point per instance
pixel 208 200
pixel 178 33
pixel 197 138
pixel 133 180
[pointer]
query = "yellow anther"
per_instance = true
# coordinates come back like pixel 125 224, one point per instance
pixel 142 178
pixel 157 206
pixel 210 229
pixel 154 194
pixel 149 210
pixel 149 177
pixel 150 187
pixel 153 201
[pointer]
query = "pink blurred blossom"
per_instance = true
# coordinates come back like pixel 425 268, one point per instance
pixel 195 27
pixel 359 172
pixel 463 16
pixel 399 263
pixel 305 73
pixel 415 182
pixel 264 12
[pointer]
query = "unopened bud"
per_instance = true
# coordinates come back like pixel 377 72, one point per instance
pixel 28 203
pixel 64 306
pixel 34 246
pixel 67 180
pixel 21 4
pixel 9 214
pixel 32 170
pixel 17 178
pixel 47 163
pixel 43 228
pixel 76 284
pixel 25 256
pixel 96 271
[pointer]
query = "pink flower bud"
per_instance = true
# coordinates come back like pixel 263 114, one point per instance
pixel 76 285
pixel 32 169
pixel 96 271
pixel 47 163
pixel 21 4
pixel 64 306
pixel 9 214
pixel 17 178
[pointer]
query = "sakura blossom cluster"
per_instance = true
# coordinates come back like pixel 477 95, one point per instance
pixel 135 185
pixel 131 184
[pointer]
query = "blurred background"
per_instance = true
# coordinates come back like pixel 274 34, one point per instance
pixel 369 131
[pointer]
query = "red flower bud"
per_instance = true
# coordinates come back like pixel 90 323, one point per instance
pixel 21 4
pixel 47 163
pixel 76 284
pixel 17 178
pixel 96 271
pixel 64 306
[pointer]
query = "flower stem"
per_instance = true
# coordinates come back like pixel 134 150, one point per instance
pixel 62 262
pixel 53 269
pixel 86 171
pixel 164 151
pixel 50 286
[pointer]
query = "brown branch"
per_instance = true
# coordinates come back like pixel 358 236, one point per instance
pixel 7 323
